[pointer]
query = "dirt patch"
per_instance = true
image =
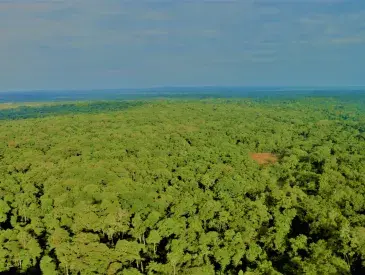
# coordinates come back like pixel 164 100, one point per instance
pixel 264 158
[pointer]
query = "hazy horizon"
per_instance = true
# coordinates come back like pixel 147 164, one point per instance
pixel 191 88
pixel 176 92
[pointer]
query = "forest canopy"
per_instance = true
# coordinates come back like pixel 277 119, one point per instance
pixel 175 187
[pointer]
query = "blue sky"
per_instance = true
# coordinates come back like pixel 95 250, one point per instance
pixel 85 44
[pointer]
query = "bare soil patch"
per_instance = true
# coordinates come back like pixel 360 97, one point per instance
pixel 264 158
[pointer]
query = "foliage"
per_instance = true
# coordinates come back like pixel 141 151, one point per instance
pixel 169 187
pixel 43 109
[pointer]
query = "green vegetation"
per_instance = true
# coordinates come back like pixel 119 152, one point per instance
pixel 39 110
pixel 169 187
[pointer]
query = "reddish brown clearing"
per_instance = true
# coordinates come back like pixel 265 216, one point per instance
pixel 264 158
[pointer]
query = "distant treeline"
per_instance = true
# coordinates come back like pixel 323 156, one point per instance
pixel 24 112
pixel 325 99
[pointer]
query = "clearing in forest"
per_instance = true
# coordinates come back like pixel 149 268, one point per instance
pixel 264 158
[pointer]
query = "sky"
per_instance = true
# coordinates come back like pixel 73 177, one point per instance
pixel 96 44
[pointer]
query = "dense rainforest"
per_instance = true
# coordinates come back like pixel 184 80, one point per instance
pixel 183 187
pixel 39 110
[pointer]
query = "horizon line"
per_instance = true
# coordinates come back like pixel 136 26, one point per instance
pixel 185 87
